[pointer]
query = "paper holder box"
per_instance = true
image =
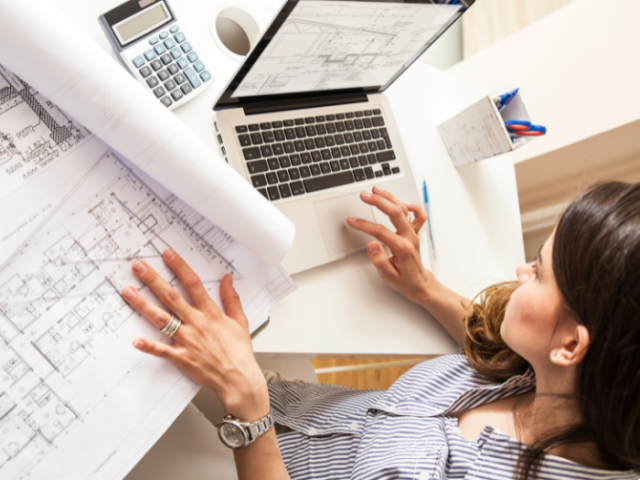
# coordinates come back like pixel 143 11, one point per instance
pixel 478 132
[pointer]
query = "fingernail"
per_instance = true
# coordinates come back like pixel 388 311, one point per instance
pixel 373 249
pixel 378 190
pixel 138 343
pixel 408 205
pixel 350 220
pixel 169 254
pixel 366 194
pixel 129 293
pixel 139 267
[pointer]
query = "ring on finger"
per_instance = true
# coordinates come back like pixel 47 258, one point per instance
pixel 410 217
pixel 172 326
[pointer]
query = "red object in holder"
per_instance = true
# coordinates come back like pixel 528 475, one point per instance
pixel 531 133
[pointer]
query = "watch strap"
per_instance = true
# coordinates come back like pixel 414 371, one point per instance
pixel 258 428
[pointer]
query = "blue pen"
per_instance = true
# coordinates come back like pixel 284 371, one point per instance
pixel 505 99
pixel 426 207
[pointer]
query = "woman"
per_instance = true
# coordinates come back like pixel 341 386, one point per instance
pixel 549 386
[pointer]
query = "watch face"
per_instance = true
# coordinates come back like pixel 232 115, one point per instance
pixel 232 435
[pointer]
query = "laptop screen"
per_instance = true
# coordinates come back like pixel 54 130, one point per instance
pixel 334 46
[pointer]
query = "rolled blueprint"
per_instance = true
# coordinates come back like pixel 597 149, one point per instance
pixel 41 45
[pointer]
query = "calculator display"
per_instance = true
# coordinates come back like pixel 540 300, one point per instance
pixel 141 23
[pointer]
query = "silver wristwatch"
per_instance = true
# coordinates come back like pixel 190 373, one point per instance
pixel 236 434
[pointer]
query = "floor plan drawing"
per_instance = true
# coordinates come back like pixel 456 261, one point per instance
pixel 335 44
pixel 65 331
pixel 33 131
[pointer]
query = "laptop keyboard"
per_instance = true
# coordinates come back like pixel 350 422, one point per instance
pixel 303 155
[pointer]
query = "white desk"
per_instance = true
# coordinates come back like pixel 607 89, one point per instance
pixel 344 308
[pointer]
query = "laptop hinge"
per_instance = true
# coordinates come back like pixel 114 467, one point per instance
pixel 300 103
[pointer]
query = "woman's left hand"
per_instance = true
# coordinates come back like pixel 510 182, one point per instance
pixel 210 347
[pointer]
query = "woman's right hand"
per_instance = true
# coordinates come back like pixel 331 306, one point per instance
pixel 403 271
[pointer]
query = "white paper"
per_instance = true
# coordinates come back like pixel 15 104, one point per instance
pixel 42 152
pixel 34 133
pixel 43 47
pixel 78 401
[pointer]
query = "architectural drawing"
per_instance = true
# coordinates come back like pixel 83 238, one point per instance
pixel 33 131
pixel 64 325
pixel 326 45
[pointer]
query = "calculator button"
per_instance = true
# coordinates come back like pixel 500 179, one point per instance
pixel 205 76
pixel 145 71
pixel 152 82
pixel 177 94
pixel 163 74
pixel 169 43
pixel 156 65
pixel 159 91
pixel 149 55
pixel 179 37
pixel 166 101
pixel 183 63
pixel 173 69
pixel 192 77
pixel 169 85
pixel 186 88
pixel 179 79
pixel 198 66
pixel 193 56
pixel 138 61
pixel 166 59
pixel 174 29
pixel 176 53
pixel 163 35
pixel 159 49
pixel 186 47
pixel 153 40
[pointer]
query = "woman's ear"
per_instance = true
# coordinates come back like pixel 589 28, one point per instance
pixel 575 344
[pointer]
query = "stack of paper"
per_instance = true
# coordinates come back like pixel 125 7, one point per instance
pixel 95 173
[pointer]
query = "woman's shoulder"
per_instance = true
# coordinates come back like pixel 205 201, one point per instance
pixel 447 383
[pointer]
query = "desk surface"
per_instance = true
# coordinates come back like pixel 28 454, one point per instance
pixel 344 308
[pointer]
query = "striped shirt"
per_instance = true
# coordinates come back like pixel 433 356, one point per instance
pixel 406 432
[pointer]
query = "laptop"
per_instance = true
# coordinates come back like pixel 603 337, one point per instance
pixel 305 121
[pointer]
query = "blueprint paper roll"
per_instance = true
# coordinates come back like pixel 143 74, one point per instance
pixel 41 45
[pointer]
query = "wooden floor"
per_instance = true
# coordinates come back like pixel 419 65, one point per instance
pixel 379 378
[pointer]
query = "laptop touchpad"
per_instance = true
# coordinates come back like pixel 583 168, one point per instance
pixel 332 216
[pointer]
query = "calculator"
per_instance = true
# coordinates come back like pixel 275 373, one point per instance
pixel 150 43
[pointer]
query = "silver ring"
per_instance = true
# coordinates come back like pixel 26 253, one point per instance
pixel 172 326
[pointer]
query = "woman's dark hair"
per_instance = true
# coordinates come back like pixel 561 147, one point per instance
pixel 596 263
